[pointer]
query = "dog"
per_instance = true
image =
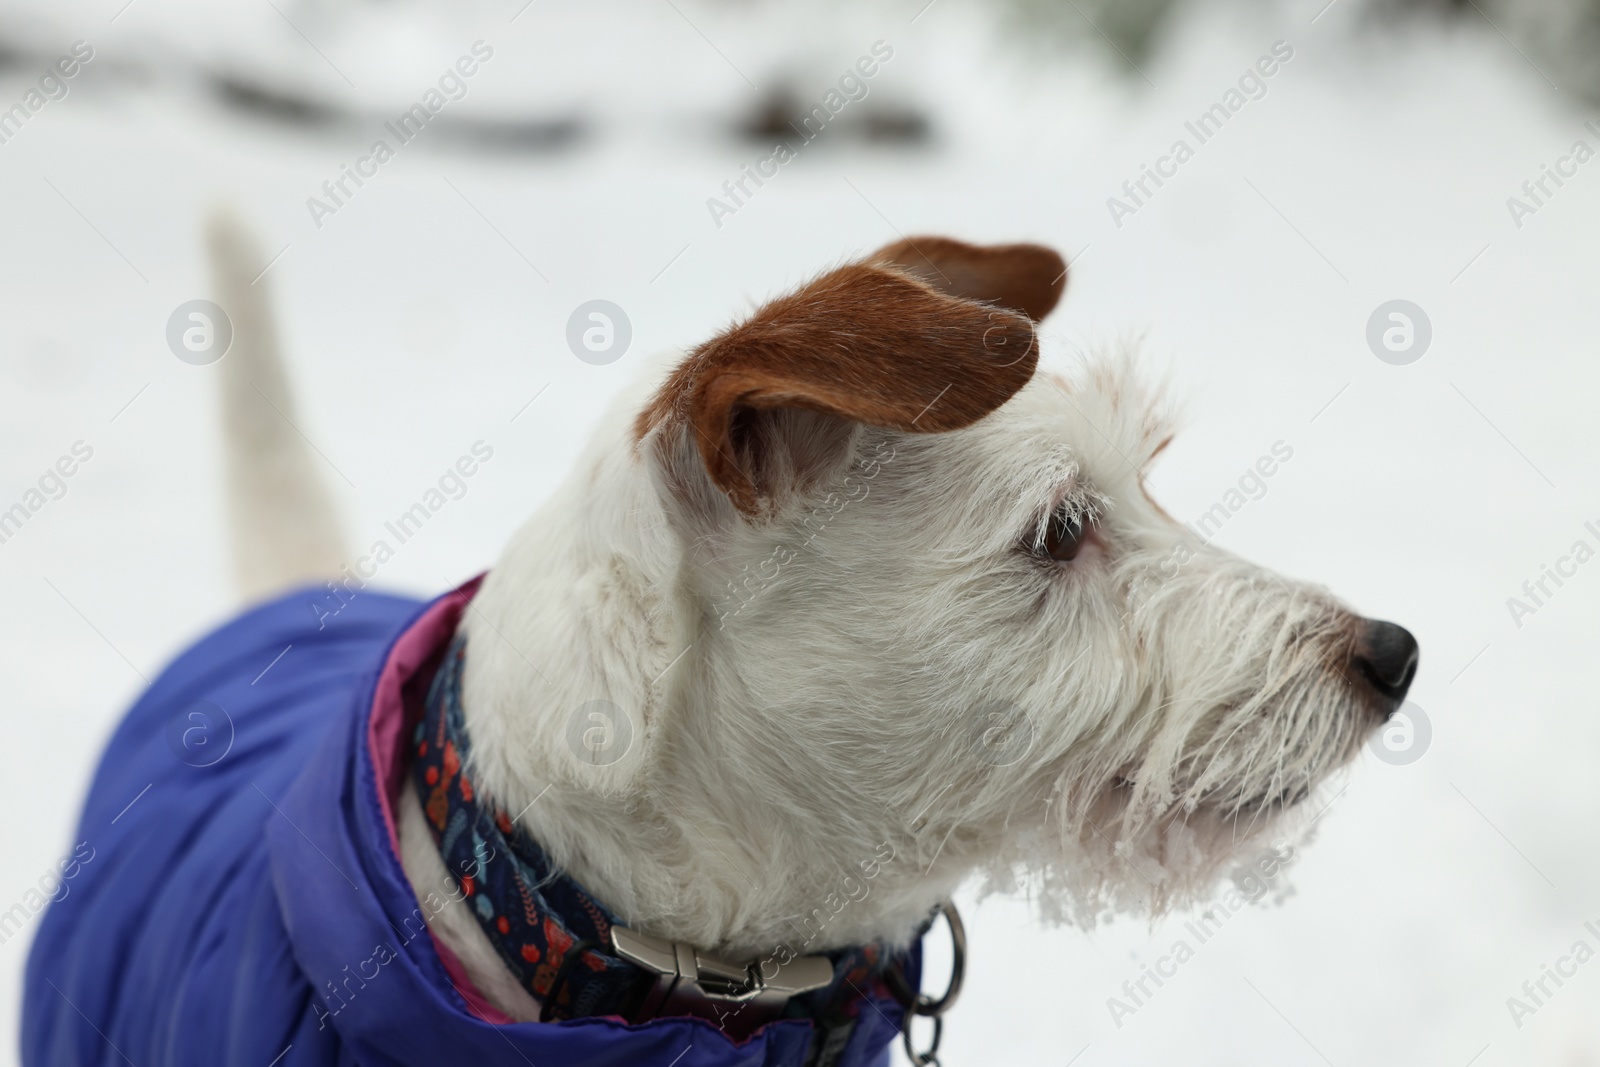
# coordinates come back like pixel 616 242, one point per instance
pixel 840 610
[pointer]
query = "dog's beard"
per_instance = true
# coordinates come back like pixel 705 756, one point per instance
pixel 1229 773
pixel 1176 862
pixel 1104 855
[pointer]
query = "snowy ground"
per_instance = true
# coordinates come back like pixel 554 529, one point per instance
pixel 427 312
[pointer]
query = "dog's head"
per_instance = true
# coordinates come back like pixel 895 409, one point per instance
pixel 899 589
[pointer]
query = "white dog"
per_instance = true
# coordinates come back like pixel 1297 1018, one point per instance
pixel 854 575
pixel 850 594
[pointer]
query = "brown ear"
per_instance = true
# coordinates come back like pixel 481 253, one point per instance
pixel 1025 278
pixel 862 343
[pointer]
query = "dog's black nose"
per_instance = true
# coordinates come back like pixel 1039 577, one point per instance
pixel 1386 656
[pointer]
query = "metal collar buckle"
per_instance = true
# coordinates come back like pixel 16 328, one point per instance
pixel 692 982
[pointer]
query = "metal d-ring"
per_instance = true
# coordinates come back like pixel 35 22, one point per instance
pixel 924 1005
pixel 930 1056
pixel 958 966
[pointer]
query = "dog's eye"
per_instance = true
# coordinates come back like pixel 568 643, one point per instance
pixel 1065 535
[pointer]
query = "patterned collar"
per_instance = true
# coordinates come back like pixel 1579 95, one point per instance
pixel 556 938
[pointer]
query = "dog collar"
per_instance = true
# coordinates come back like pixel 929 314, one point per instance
pixel 567 949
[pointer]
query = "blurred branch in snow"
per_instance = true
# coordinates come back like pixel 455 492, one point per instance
pixel 1558 39
pixel 1128 28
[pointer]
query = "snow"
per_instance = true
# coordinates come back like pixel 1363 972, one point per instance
pixel 426 312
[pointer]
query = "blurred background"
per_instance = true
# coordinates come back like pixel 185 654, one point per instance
pixel 1426 160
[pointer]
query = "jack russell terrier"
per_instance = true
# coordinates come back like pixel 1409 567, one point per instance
pixel 845 608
